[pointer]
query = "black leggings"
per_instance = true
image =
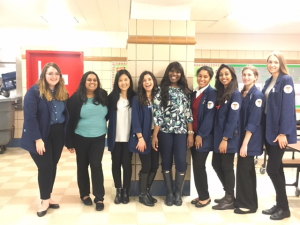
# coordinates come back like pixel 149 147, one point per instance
pixel 149 161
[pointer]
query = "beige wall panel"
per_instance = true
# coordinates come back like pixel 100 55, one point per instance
pixel 115 52
pixel 190 81
pixel 145 27
pixel 131 51
pixel 106 52
pixel 161 28
pixel 224 54
pixel 177 52
pixel 88 51
pixel 24 66
pixel 161 52
pixel 87 65
pixel 232 54
pixel 190 53
pixel 106 83
pixel 132 27
pixel 294 55
pixel 97 65
pixel 123 52
pixel 106 75
pixel 142 66
pixel 250 55
pixel 99 73
pixel 106 66
pixel 241 54
pixel 259 54
pixel 144 51
pixel 189 69
pixel 131 67
pixel 298 55
pixel 159 68
pixel 214 54
pixel 266 54
pixel 191 26
pixel 198 53
pixel 96 52
pixel 178 28
pixel 206 54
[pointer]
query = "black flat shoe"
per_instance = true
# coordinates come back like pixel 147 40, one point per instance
pixel 54 206
pixel 194 201
pixel 99 206
pixel 280 214
pixel 87 201
pixel 270 211
pixel 239 211
pixel 42 213
pixel 200 205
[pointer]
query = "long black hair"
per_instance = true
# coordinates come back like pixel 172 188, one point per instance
pixel 100 94
pixel 165 82
pixel 114 96
pixel 222 93
pixel 141 91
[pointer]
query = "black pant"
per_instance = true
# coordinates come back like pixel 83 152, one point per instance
pixel 200 176
pixel 47 162
pixel 276 174
pixel 149 161
pixel 121 156
pixel 223 165
pixel 246 196
pixel 89 152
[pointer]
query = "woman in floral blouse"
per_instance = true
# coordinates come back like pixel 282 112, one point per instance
pixel 173 130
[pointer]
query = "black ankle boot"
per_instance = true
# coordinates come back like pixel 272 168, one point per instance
pixel 125 196
pixel 179 181
pixel 151 177
pixel 226 203
pixel 220 199
pixel 169 186
pixel 143 198
pixel 118 198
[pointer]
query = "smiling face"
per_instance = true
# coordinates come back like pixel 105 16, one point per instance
pixel 124 82
pixel 273 65
pixel 91 83
pixel 52 77
pixel 225 77
pixel 148 83
pixel 203 79
pixel 248 77
pixel 174 77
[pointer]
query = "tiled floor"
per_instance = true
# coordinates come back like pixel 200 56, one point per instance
pixel 19 199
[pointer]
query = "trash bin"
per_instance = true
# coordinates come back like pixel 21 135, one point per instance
pixel 7 118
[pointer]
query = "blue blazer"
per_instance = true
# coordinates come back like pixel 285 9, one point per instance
pixel 281 111
pixel 206 117
pixel 250 119
pixel 37 118
pixel 141 123
pixel 227 123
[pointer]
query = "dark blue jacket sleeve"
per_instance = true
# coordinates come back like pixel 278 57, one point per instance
pixel 256 110
pixel 136 116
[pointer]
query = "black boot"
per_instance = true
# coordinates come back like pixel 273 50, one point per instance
pixel 226 203
pixel 220 199
pixel 125 199
pixel 169 185
pixel 150 180
pixel 179 181
pixel 118 198
pixel 143 198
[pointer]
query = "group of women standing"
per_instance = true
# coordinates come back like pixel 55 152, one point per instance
pixel 168 119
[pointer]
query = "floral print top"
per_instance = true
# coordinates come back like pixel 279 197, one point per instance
pixel 178 113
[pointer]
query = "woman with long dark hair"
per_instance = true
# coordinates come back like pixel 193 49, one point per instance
pixel 226 132
pixel 120 103
pixel 251 142
pixel 281 128
pixel 141 131
pixel 45 120
pixel 86 136
pixel 173 130
pixel 204 109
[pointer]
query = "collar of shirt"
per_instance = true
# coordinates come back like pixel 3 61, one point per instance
pixel 200 91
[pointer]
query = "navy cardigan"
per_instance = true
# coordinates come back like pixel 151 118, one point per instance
pixel 37 119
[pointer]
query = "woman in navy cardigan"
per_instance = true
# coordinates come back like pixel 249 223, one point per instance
pixel 226 133
pixel 281 128
pixel 204 110
pixel 45 120
pixel 251 142
pixel 141 131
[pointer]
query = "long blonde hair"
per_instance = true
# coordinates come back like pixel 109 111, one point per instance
pixel 61 92
pixel 282 63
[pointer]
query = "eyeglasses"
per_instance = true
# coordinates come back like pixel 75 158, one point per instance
pixel 53 74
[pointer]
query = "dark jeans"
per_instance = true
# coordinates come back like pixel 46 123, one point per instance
pixel 47 163
pixel 200 176
pixel 223 165
pixel 149 161
pixel 276 174
pixel 121 156
pixel 246 196
pixel 170 145
pixel 89 152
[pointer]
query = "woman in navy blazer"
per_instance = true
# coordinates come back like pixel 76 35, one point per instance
pixel 204 109
pixel 45 120
pixel 226 132
pixel 281 128
pixel 251 142
pixel 141 131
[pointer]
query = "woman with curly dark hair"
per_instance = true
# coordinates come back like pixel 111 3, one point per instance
pixel 141 131
pixel 173 130
pixel 86 136
pixel 120 103
pixel 226 132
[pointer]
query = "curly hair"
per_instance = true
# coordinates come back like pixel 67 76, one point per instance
pixel 140 89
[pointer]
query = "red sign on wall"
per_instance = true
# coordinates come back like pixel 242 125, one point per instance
pixel 70 63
